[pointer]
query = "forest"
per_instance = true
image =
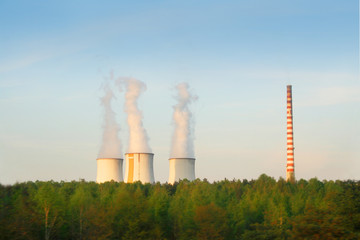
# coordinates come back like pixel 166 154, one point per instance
pixel 264 208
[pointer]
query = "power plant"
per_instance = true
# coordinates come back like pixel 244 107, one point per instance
pixel 290 167
pixel 139 167
pixel 181 168
pixel 109 169
pixel 139 159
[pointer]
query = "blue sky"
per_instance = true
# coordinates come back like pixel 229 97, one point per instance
pixel 237 56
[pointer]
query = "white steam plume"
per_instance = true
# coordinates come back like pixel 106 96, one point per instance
pixel 183 137
pixel 138 138
pixel 111 144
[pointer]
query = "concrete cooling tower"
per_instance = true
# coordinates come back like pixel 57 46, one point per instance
pixel 181 168
pixel 109 169
pixel 139 167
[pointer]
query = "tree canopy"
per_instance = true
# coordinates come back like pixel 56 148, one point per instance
pixel 257 209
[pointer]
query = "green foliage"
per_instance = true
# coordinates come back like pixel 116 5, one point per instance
pixel 256 209
pixel 211 222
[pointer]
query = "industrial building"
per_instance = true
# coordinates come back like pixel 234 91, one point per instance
pixel 139 167
pixel 181 168
pixel 109 169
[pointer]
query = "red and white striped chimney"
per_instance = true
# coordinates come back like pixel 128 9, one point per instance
pixel 290 167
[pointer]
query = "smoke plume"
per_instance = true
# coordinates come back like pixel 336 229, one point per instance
pixel 111 144
pixel 138 138
pixel 183 137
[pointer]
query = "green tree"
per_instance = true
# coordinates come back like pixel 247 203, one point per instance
pixel 319 224
pixel 80 203
pixel 182 211
pixel 211 222
pixel 50 204
pixel 159 203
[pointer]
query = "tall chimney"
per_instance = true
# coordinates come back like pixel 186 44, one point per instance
pixel 290 167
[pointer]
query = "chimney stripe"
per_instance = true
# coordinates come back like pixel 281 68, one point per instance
pixel 289 133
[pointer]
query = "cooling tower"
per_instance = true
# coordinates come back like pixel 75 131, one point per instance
pixel 181 168
pixel 139 167
pixel 109 169
pixel 290 167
